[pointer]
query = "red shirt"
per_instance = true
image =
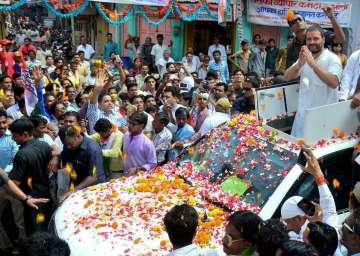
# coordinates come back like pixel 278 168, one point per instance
pixel 7 63
pixel 25 50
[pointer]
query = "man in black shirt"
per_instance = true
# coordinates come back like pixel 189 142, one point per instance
pixel 297 25
pixel 83 156
pixel 30 172
pixel 245 103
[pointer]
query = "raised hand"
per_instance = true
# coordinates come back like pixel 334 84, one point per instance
pixel 312 165
pixel 308 56
pixel 100 80
pixel 37 74
pixel 328 11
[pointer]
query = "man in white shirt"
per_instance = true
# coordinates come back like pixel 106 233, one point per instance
pixel 195 58
pixel 296 218
pixel 165 59
pixel 350 77
pixel 190 63
pixel 219 47
pixel 181 223
pixel 86 48
pixel 220 116
pixel 158 49
pixel 42 53
pixel 320 73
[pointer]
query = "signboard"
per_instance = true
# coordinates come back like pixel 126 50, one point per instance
pixel 136 2
pixel 274 12
pixel 203 15
pixel 4 1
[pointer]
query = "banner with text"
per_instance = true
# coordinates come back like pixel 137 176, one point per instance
pixel 274 12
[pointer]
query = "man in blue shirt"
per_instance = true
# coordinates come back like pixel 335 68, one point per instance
pixel 8 147
pixel 220 66
pixel 110 47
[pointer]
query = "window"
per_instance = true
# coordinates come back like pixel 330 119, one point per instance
pixel 239 165
pixel 341 174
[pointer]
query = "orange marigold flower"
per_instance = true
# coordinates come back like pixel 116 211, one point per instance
pixel 72 186
pixel 336 183
pixel 40 218
pixel 29 182
pixel 114 225
pixel 300 142
pixel 163 244
pixel 342 135
pixel 290 14
pixel 335 131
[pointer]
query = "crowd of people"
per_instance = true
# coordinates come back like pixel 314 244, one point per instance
pixel 98 118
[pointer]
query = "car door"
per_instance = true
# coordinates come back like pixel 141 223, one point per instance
pixel 341 174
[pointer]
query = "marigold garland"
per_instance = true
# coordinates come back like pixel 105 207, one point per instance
pixel 67 6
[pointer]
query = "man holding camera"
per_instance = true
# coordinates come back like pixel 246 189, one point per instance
pixel 297 212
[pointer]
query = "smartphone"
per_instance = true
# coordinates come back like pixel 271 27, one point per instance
pixel 307 206
pixel 302 159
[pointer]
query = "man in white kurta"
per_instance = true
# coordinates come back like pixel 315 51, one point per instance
pixel 320 72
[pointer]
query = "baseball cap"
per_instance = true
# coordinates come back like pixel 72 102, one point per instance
pixel 187 83
pixel 290 208
pixel 223 102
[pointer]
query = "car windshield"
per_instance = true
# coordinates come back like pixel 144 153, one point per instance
pixel 250 167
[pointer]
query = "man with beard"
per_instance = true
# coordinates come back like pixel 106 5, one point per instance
pixel 297 25
pixel 319 71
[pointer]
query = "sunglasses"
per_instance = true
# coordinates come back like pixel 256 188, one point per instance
pixel 292 22
pixel 228 240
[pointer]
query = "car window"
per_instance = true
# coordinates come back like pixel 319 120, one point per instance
pixel 340 173
pixel 239 166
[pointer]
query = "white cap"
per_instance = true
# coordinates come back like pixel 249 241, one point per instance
pixel 290 209
pixel 188 81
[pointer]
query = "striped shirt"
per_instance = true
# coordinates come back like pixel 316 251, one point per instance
pixel 93 114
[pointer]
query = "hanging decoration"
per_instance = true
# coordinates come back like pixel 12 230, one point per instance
pixel 114 19
pixel 70 14
pixel 153 16
pixel 189 9
pixel 152 22
pixel 189 16
pixel 66 6
pixel 12 6
pixel 116 13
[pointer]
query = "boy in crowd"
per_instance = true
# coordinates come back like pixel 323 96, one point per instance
pixel 162 136
pixel 181 223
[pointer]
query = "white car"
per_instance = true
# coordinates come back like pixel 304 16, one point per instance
pixel 240 165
